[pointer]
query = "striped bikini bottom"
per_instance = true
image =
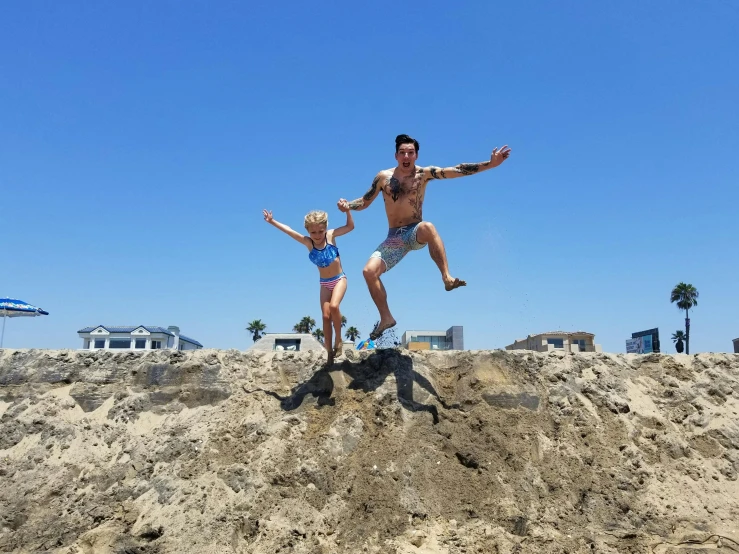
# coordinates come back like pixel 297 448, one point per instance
pixel 330 282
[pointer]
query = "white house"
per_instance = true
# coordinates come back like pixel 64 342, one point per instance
pixel 143 337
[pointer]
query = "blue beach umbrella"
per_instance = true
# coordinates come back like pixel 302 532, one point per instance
pixel 366 344
pixel 10 307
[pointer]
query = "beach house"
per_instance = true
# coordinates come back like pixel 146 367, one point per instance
pixel 574 341
pixel 142 337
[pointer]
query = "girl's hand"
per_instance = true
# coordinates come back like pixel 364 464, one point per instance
pixel 267 216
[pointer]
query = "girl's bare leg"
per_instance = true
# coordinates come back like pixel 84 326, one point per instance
pixel 336 297
pixel 327 325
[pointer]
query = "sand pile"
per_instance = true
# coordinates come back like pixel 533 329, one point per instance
pixel 390 452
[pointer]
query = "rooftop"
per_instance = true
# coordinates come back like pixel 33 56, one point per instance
pixel 566 333
pixel 131 328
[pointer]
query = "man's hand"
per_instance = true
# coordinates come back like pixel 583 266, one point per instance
pixel 499 155
pixel 353 205
pixel 267 216
pixel 343 205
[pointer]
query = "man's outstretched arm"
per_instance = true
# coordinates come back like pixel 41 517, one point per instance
pixel 369 196
pixel 498 156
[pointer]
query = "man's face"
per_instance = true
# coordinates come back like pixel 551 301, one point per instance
pixel 406 156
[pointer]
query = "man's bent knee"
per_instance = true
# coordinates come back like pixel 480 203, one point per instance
pixel 425 232
pixel 374 268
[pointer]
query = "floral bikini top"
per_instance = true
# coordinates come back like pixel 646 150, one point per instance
pixel 325 256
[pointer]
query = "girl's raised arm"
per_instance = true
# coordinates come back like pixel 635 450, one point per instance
pixel 302 239
pixel 349 226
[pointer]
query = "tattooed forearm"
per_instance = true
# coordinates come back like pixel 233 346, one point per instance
pixel 369 196
pixel 469 169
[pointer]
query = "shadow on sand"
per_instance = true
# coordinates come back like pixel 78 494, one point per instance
pixel 366 375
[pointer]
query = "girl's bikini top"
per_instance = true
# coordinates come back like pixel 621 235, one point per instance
pixel 325 256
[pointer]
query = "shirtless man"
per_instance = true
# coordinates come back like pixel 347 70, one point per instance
pixel 403 189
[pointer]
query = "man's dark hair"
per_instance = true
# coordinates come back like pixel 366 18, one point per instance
pixel 405 139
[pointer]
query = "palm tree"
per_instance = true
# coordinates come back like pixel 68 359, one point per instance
pixel 678 337
pixel 352 333
pixel 255 328
pixel 686 296
pixel 343 321
pixel 318 334
pixel 305 325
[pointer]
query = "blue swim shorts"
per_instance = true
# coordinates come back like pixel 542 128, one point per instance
pixel 399 241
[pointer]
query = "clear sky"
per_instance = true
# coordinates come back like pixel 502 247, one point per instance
pixel 139 142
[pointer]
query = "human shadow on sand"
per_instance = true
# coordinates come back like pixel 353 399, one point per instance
pixel 366 375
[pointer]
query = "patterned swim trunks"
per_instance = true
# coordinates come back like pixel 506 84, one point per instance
pixel 399 241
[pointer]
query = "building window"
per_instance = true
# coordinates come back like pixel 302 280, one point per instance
pixel 580 343
pixel 557 343
pixel 99 343
pixel 156 345
pixel 435 342
pixel 287 344
pixel 140 344
pixel 120 343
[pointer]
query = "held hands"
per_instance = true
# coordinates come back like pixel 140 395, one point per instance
pixel 267 216
pixel 499 155
pixel 343 205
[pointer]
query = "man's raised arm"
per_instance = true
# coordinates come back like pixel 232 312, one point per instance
pixel 369 196
pixel 498 156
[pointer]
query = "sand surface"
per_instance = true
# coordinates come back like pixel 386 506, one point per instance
pixel 387 452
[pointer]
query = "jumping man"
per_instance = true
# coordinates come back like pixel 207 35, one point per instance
pixel 403 189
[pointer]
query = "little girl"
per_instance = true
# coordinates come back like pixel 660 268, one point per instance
pixel 321 245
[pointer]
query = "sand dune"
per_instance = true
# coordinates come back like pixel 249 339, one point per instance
pixel 390 452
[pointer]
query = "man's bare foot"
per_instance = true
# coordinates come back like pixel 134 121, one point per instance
pixel 330 358
pixel 454 283
pixel 338 349
pixel 380 328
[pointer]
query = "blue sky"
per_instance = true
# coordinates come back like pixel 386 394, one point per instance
pixel 139 142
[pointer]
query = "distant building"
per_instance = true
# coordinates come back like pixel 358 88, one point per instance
pixel 143 337
pixel 736 346
pixel 576 341
pixel 643 342
pixel 451 339
pixel 287 341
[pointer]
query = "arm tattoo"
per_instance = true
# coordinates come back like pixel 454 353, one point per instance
pixel 373 188
pixel 437 173
pixel 468 169
pixel 354 204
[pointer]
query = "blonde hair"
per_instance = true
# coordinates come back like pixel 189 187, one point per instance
pixel 316 217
